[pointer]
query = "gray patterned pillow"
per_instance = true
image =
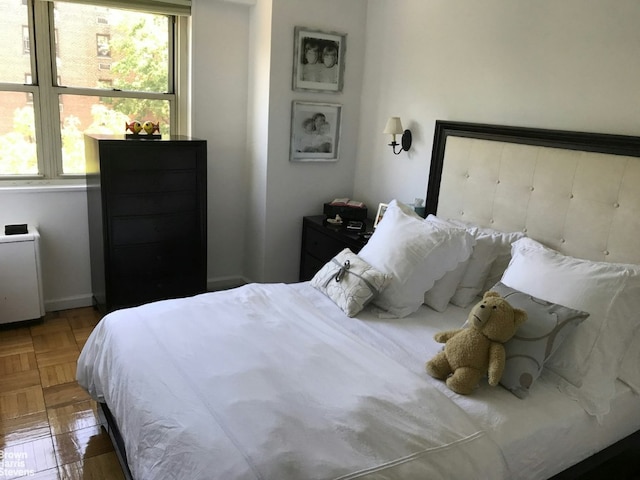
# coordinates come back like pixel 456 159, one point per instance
pixel 350 281
pixel 547 326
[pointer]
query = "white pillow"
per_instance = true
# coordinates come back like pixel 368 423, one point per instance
pixel 630 368
pixel 415 253
pixel 589 361
pixel 439 296
pixel 492 247
pixel 349 281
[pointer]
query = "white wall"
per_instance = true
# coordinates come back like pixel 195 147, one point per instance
pixel 258 138
pixel 570 65
pixel 220 82
pixel 297 189
pixel 61 217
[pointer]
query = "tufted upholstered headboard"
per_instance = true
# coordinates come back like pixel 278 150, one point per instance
pixel 578 193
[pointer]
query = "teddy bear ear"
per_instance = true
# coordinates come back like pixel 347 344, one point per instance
pixel 519 316
pixel 490 294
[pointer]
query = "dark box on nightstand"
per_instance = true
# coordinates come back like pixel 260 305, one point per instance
pixel 346 213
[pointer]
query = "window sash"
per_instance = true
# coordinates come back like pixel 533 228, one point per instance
pixel 166 7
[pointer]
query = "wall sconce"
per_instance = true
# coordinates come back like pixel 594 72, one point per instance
pixel 394 127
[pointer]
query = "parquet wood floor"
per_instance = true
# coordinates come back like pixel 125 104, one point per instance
pixel 49 427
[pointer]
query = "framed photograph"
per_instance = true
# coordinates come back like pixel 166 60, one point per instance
pixel 315 131
pixel 318 60
pixel 381 209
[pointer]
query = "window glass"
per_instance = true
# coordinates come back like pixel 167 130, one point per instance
pixel 97 43
pixel 17 135
pixel 82 114
pixel 15 59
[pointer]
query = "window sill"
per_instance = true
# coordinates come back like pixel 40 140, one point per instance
pixel 42 188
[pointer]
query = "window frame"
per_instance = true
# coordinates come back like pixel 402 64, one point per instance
pixel 46 92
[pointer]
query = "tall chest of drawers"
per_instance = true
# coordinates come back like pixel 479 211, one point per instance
pixel 146 201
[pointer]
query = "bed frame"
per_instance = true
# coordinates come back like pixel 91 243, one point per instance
pixel 455 192
pixel 495 176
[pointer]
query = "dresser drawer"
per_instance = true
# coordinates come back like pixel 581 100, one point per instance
pixel 130 291
pixel 161 157
pixel 155 228
pixel 310 266
pixel 154 181
pixel 321 246
pixel 155 260
pixel 153 203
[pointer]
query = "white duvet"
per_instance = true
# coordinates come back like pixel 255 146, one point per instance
pixel 258 383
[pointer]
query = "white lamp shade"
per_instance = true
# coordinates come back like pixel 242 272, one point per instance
pixel 394 126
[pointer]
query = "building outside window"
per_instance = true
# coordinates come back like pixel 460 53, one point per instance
pixel 26 44
pixel 111 66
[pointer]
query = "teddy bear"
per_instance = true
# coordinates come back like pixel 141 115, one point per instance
pixel 477 348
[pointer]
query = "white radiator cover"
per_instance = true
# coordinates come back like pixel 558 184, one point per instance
pixel 20 277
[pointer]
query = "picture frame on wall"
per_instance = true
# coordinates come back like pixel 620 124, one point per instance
pixel 315 131
pixel 319 60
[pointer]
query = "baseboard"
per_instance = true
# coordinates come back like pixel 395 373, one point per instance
pixel 77 301
pixel 225 283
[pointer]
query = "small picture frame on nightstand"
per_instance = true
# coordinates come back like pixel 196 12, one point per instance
pixel 381 209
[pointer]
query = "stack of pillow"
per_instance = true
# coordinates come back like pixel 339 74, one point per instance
pixel 428 261
pixel 604 346
pixel 403 259
pixel 583 315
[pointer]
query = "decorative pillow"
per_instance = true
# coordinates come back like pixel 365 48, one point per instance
pixel 547 326
pixel 589 361
pixel 415 253
pixel 492 247
pixel 439 296
pixel 349 281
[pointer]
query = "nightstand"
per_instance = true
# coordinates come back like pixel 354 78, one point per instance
pixel 322 241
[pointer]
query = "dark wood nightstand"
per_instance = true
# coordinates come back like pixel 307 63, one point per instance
pixel 321 241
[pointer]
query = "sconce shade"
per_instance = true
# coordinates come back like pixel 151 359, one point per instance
pixel 394 126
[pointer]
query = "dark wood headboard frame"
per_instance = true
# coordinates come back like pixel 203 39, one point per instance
pixel 588 142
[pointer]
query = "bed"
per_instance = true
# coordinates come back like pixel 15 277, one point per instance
pixel 326 379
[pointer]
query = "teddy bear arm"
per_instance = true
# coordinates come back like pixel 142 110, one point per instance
pixel 496 363
pixel 444 337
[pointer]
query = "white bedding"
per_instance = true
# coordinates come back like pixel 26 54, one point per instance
pixel 276 382
pixel 539 436
pixel 259 383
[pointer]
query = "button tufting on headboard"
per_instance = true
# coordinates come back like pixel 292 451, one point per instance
pixel 582 203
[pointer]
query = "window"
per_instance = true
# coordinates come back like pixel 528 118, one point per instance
pixel 111 66
pixel 27 81
pixel 26 44
pixel 102 44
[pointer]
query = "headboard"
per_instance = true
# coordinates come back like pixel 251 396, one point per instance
pixel 578 193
